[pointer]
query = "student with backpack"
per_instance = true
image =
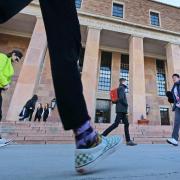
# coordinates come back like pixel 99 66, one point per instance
pixel 119 97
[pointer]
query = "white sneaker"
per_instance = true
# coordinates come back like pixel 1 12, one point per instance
pixel 172 141
pixel 86 159
pixel 178 104
pixel 4 142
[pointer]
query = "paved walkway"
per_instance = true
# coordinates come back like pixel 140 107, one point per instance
pixel 55 162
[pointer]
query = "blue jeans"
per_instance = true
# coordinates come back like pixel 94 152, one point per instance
pixel 175 133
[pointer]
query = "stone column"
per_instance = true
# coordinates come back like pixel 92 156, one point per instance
pixel 90 69
pixel 30 71
pixel 116 63
pixel 137 79
pixel 173 61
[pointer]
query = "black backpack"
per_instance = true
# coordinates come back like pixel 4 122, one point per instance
pixel 170 96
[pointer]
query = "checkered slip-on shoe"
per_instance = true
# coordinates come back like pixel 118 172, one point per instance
pixel 86 159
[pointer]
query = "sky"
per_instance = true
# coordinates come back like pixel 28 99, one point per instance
pixel 171 2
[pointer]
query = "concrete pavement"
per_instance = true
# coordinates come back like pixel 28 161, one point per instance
pixel 55 162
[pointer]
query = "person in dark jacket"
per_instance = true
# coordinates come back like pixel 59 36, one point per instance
pixel 39 112
pixel 29 108
pixel 176 108
pixel 64 44
pixel 121 113
pixel 47 112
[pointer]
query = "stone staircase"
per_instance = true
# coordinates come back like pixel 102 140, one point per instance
pixel 53 133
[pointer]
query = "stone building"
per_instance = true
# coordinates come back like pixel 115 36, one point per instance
pixel 138 40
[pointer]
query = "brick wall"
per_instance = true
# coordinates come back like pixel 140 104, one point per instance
pixel 137 11
pixel 7 44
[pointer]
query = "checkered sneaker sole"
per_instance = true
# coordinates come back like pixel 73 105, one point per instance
pixel 86 157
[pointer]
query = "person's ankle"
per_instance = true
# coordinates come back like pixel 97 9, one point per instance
pixel 86 137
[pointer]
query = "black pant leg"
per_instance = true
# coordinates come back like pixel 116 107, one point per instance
pixel 64 41
pixel 9 8
pixel 36 117
pixel 30 114
pixel 39 119
pixel 113 126
pixel 126 126
pixel 45 118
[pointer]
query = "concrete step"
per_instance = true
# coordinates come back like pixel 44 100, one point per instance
pixel 52 132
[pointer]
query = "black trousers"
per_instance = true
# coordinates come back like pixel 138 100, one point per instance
pixel 119 117
pixel 37 117
pixel 1 104
pixel 45 118
pixel 30 112
pixel 64 42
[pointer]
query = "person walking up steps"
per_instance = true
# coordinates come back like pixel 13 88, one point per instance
pixel 121 113
pixel 28 109
pixel 64 42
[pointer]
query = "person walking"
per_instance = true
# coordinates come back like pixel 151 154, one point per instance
pixel 176 108
pixel 121 113
pixel 28 109
pixel 64 42
pixel 6 74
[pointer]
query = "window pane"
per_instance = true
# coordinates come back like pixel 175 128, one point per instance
pixel 118 10
pixel 154 19
pixel 78 3
pixel 105 72
pixel 124 71
pixel 103 109
pixel 164 116
pixel 161 78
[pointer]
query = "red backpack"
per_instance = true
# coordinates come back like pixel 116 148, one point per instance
pixel 114 95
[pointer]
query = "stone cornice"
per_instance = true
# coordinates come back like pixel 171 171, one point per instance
pixel 117 20
pixel 15 33
pixel 115 24
pixel 34 9
pixel 111 24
